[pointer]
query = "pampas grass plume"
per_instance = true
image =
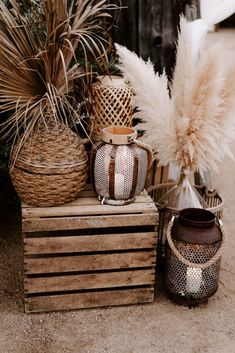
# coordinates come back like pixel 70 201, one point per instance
pixel 194 127
pixel 151 95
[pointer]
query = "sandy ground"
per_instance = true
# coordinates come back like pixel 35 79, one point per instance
pixel 160 327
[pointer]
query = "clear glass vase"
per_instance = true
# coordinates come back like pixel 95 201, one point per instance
pixel 183 194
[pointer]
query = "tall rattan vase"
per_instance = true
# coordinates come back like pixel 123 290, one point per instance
pixel 112 104
pixel 50 168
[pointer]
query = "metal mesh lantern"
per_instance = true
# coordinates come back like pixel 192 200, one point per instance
pixel 212 199
pixel 195 241
pixel 120 164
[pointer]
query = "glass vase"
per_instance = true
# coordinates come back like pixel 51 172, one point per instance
pixel 183 194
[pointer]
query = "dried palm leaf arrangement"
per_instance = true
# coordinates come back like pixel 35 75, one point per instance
pixel 42 87
pixel 193 126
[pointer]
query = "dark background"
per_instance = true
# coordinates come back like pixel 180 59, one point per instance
pixel 149 27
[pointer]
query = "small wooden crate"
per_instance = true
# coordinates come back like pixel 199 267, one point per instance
pixel 84 254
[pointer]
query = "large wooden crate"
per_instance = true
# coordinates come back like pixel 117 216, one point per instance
pixel 84 254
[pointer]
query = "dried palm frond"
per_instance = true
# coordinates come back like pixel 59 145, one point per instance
pixel 39 70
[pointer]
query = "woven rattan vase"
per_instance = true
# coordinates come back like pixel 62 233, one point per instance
pixel 51 167
pixel 112 104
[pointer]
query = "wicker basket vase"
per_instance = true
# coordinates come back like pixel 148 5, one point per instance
pixel 112 104
pixel 51 167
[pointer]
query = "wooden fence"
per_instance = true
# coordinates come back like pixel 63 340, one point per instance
pixel 149 27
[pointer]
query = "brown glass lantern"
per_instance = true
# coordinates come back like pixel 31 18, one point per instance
pixel 195 241
pixel 212 199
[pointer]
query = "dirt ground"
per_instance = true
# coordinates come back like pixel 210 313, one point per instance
pixel 162 326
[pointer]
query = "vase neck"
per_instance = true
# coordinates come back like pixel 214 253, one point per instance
pixel 196 226
pixel 119 135
pixel 186 171
pixel 196 218
pixel 184 174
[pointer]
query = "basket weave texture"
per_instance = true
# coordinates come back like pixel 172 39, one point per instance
pixel 111 107
pixel 51 167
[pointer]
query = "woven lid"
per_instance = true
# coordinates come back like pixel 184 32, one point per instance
pixel 50 147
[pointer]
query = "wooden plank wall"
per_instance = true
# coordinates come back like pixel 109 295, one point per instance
pixel 149 27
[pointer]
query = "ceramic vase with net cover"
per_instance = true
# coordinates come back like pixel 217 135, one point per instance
pixel 119 165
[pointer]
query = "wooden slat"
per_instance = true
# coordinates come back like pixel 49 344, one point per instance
pixel 88 300
pixel 128 23
pixel 158 23
pixel 149 178
pixel 157 176
pixel 91 209
pixel 165 174
pixel 89 197
pixel 89 200
pixel 62 223
pixel 82 199
pixel 150 31
pixel 73 244
pixel 89 281
pixel 90 262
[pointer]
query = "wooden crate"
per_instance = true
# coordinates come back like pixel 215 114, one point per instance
pixel 84 254
pixel 157 174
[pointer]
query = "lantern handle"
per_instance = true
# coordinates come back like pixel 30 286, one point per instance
pixel 188 263
pixel 146 147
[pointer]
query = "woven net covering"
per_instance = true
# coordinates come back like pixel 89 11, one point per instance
pixel 51 166
pixel 120 171
pixel 191 282
pixel 112 107
pixel 193 268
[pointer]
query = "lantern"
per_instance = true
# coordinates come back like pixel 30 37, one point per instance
pixel 112 104
pixel 195 241
pixel 119 165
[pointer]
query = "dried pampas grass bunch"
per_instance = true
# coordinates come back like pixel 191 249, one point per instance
pixel 194 126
